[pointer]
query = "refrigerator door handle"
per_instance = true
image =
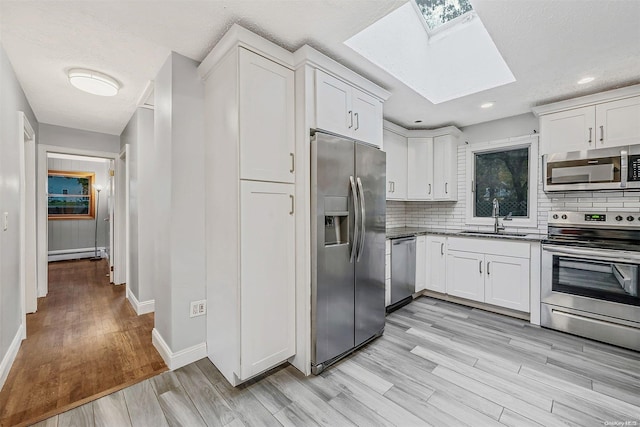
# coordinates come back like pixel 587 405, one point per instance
pixel 362 219
pixel 354 242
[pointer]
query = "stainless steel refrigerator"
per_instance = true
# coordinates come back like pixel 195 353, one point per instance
pixel 348 219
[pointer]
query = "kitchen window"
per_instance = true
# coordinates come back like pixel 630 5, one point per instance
pixel 507 171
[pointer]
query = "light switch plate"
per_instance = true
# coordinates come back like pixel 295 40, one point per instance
pixel 5 221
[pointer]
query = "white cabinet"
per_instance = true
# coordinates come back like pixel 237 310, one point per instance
pixel 346 110
pixel 267 288
pixel 492 271
pixel 421 263
pixel 249 196
pixel 618 122
pixel 419 168
pixel 395 146
pixel 266 119
pixel 436 264
pixel 465 278
pixel 571 130
pixel 610 119
pixel 504 282
pixel 445 168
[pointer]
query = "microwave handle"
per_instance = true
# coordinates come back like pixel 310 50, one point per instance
pixel 624 168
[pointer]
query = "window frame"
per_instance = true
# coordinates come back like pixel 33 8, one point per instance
pixel 465 17
pixel 530 142
pixel 73 174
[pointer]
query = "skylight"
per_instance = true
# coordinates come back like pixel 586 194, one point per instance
pixel 460 60
pixel 439 12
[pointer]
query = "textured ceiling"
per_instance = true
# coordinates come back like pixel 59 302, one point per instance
pixel 548 45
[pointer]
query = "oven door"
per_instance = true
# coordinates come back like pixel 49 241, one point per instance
pixel 600 281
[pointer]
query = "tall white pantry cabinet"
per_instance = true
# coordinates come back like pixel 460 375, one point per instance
pixel 250 205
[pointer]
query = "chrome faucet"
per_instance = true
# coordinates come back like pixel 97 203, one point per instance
pixel 496 215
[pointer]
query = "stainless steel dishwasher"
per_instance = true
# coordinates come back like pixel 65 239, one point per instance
pixel 403 271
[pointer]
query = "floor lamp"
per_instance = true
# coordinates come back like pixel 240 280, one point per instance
pixel 98 188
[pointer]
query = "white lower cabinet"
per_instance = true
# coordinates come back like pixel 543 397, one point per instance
pixel 267 271
pixel 436 264
pixel 506 282
pixel 465 278
pixel 421 263
pixel 491 271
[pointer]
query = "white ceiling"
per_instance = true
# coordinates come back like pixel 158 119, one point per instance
pixel 547 44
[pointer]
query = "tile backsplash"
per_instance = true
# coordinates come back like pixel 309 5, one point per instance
pixel 451 215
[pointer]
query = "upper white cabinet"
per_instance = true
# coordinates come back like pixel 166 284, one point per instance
pixel 421 164
pixel 445 168
pixel 420 169
pixel 396 147
pixel 267 138
pixel 608 119
pixel 346 110
pixel 618 122
pixel 250 219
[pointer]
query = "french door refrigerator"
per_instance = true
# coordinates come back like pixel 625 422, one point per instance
pixel 348 220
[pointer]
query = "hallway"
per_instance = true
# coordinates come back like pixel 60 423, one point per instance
pixel 85 341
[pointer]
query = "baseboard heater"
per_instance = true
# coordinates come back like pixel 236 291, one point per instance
pixel 79 253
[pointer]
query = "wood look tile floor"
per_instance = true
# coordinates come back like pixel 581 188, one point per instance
pixel 437 364
pixel 84 342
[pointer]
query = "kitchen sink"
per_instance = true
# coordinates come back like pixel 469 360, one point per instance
pixel 491 233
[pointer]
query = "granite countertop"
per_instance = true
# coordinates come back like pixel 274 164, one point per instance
pixel 395 233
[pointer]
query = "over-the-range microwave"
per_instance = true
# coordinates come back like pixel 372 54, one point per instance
pixel 616 168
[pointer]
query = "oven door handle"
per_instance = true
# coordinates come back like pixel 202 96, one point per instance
pixel 595 254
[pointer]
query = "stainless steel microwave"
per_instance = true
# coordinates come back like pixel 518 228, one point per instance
pixel 616 168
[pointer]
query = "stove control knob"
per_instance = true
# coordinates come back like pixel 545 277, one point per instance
pixel 555 216
pixel 629 218
pixel 618 218
pixel 564 217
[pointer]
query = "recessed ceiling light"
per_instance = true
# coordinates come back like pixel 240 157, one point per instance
pixel 585 80
pixel 418 121
pixel 93 82
pixel 487 105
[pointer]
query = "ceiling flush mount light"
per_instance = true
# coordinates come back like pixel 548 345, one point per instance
pixel 585 80
pixel 93 82
pixel 487 105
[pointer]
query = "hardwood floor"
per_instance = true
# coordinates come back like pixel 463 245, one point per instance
pixel 437 364
pixel 85 341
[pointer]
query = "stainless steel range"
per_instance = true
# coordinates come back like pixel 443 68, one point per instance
pixel 591 276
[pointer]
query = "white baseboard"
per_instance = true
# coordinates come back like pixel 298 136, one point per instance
pixel 10 356
pixel 180 358
pixel 143 307
pixel 66 254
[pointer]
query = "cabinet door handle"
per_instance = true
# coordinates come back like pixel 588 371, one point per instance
pixel 480 266
pixel 292 204
pixel 446 188
pixel 350 119
pixel 488 264
pixel 601 133
pixel 590 130
pixel 429 188
pixel 293 162
pixel 441 248
pixel 393 186
pixel 357 121
pixel 389 186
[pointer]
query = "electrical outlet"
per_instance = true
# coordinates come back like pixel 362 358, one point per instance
pixel 198 308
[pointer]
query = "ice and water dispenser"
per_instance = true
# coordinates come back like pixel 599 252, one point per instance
pixel 336 221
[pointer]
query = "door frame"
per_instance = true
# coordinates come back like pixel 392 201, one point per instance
pixel 41 191
pixel 121 219
pixel 28 239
